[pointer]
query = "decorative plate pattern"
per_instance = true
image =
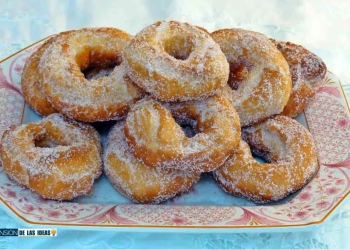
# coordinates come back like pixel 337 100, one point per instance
pixel 328 120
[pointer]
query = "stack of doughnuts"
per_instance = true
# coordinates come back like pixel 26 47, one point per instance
pixel 185 102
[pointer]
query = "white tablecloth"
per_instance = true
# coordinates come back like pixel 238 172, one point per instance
pixel 322 26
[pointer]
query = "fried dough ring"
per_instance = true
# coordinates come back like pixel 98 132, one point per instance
pixel 283 142
pixel 55 157
pixel 137 181
pixel 307 70
pixel 176 62
pixel 259 74
pixel 32 90
pixel 101 99
pixel 159 141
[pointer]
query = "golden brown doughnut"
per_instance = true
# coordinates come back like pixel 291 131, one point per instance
pixel 259 74
pixel 307 70
pixel 55 157
pixel 176 62
pixel 32 90
pixel 104 98
pixel 159 141
pixel 283 143
pixel 137 181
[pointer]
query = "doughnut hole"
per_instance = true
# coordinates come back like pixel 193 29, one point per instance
pixel 239 71
pixel 99 71
pixel 188 126
pixel 94 63
pixel 179 47
pixel 259 159
pixel 45 142
pixel 270 147
pixel 51 137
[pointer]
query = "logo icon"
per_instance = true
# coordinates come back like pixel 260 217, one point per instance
pixel 53 232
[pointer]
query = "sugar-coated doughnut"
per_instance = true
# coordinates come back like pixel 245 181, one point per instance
pixel 56 157
pixel 32 90
pixel 135 180
pixel 176 62
pixel 31 81
pixel 159 141
pixel 307 70
pixel 100 99
pixel 283 143
pixel 260 82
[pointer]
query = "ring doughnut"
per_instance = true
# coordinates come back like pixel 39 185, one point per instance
pixel 137 181
pixel 101 99
pixel 282 142
pixel 307 70
pixel 56 157
pixel 32 90
pixel 158 141
pixel 176 62
pixel 259 75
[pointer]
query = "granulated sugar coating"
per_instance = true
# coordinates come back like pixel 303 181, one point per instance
pixel 56 157
pixel 307 71
pixel 176 62
pixel 100 99
pixel 159 141
pixel 258 72
pixel 137 181
pixel 32 89
pixel 290 151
